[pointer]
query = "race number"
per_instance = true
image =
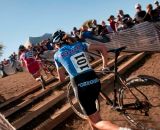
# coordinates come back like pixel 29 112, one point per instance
pixel 29 54
pixel 80 62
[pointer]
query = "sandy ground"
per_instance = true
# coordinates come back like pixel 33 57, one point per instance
pixel 13 85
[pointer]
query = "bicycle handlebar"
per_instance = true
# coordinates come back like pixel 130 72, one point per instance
pixel 117 50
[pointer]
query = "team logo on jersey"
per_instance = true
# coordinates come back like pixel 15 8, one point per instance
pixel 80 62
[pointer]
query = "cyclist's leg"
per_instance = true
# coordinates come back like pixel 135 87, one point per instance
pixel 97 123
pixel 36 73
pixel 87 100
pixel 40 78
pixel 87 91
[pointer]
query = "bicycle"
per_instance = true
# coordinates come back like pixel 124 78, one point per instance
pixel 131 98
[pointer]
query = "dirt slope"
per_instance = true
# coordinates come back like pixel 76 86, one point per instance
pixel 13 85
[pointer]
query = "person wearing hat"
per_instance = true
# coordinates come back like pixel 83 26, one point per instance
pixel 112 22
pixel 156 3
pixel 151 15
pixel 125 19
pixel 139 16
pixel 157 8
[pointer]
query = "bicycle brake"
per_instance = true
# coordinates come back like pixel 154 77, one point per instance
pixel 105 70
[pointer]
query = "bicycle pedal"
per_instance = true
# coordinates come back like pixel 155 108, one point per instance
pixel 117 108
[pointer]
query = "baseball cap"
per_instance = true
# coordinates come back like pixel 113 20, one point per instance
pixel 111 17
pixel 156 2
pixel 137 6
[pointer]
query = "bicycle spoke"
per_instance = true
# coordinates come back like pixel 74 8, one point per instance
pixel 142 104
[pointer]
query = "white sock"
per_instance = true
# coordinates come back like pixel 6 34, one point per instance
pixel 124 128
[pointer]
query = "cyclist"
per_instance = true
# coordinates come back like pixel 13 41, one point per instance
pixel 29 61
pixel 71 57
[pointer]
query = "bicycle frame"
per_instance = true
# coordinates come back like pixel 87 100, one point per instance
pixel 118 79
pixel 128 98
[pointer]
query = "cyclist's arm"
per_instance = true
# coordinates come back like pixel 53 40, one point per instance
pixel 61 74
pixel 60 69
pixel 102 49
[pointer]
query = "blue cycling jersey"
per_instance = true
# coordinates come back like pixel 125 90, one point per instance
pixel 73 58
pixel 87 34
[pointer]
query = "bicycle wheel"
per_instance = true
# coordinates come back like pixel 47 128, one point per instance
pixel 75 104
pixel 141 105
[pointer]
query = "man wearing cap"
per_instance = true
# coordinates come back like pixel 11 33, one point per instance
pixel 157 6
pixel 138 18
pixel 126 19
pixel 112 22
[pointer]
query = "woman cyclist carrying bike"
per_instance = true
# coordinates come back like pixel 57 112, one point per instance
pixel 29 61
pixel 86 85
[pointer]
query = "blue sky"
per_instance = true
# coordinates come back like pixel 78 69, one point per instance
pixel 23 18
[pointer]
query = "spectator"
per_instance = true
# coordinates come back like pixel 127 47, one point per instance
pixel 157 6
pixel 43 46
pixel 125 19
pixel 112 22
pixel 14 55
pixel 30 47
pixel 104 29
pixel 88 23
pixel 5 62
pixel 119 24
pixel 72 34
pixel 110 30
pixel 151 15
pixel 96 27
pixel 76 33
pixel 85 33
pixel 139 16
pixel 48 44
pixel 11 57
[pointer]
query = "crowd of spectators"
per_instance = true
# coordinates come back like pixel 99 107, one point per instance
pixel 13 57
pixel 120 22
pixel 91 29
pixel 12 60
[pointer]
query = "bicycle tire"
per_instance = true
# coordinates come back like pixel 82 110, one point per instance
pixel 76 107
pixel 147 117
